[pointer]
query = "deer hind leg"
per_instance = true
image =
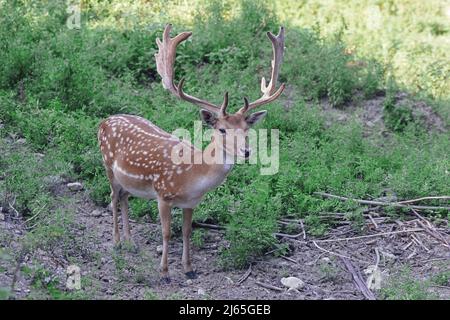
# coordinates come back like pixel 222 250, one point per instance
pixel 123 198
pixel 165 216
pixel 115 193
pixel 129 244
pixel 114 205
pixel 187 230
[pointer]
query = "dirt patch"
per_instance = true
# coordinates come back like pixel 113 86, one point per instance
pixel 126 274
pixel 370 113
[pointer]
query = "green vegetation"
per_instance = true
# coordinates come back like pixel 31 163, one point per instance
pixel 57 84
pixel 403 286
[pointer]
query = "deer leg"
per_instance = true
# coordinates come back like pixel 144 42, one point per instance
pixel 165 216
pixel 115 192
pixel 125 220
pixel 187 230
pixel 114 202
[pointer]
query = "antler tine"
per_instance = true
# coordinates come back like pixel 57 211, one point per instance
pixel 269 91
pixel 165 59
pixel 223 108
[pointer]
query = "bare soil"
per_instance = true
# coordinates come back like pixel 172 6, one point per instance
pixel 369 112
pixel 133 274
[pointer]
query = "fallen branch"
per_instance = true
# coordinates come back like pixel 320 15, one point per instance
pixel 417 241
pixel 245 276
pixel 337 254
pixel 207 226
pixel 303 230
pixel 357 279
pixel 285 235
pixel 425 198
pixel 289 259
pixel 268 286
pixel 373 222
pixel 380 203
pixel 372 235
pixel 430 229
pixel 436 235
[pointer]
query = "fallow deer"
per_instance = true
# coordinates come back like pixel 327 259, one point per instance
pixel 136 153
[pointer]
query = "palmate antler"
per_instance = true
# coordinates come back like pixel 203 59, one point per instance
pixel 165 59
pixel 269 92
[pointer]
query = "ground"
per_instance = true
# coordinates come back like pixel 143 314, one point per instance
pixel 413 248
pixel 128 274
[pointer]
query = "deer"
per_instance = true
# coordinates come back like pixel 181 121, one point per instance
pixel 137 154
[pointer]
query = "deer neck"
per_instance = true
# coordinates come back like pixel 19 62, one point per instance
pixel 214 168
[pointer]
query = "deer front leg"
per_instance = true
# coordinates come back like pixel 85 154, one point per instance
pixel 187 230
pixel 114 202
pixel 165 216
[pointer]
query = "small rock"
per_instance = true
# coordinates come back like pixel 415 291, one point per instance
pixel 201 292
pixel 21 141
pixel 39 155
pixel 189 281
pixel 97 213
pixel 292 283
pixel 159 249
pixel 2 216
pixel 75 186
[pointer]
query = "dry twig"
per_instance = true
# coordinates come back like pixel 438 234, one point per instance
pixel 268 286
pixel 337 254
pixel 207 226
pixel 424 198
pixel 380 203
pixel 373 235
pixel 245 276
pixel 357 278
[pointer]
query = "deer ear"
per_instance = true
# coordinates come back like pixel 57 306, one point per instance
pixel 255 117
pixel 208 117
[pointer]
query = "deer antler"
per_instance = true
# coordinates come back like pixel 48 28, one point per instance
pixel 165 59
pixel 269 93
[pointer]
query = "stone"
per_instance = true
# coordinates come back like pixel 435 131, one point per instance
pixel 75 186
pixel 2 216
pixel 201 292
pixel 97 213
pixel 293 283
pixel 189 282
pixel 159 249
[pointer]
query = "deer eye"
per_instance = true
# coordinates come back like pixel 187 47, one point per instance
pixel 222 131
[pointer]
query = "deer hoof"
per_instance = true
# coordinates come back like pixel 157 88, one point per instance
pixel 191 275
pixel 165 279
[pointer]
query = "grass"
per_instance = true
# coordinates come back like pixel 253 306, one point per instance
pixel 57 84
pixel 404 286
